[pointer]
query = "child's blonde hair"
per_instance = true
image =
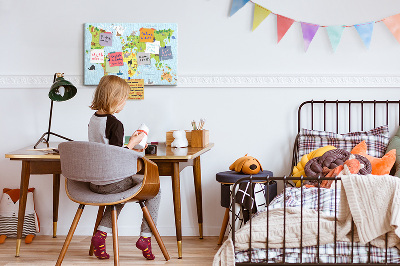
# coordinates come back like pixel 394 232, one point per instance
pixel 109 93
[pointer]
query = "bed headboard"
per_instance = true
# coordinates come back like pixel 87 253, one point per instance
pixel 347 116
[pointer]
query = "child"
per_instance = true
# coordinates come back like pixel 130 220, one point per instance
pixel 110 98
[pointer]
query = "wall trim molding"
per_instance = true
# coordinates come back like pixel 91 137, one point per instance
pixel 227 81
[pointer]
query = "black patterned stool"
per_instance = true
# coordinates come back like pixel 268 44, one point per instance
pixel 229 178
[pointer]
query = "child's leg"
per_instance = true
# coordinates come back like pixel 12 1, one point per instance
pixel 144 242
pixel 99 239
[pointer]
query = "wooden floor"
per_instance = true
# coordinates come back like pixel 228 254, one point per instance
pixel 44 250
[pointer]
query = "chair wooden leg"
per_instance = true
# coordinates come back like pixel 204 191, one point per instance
pixel 98 220
pixel 223 227
pixel 115 235
pixel 70 234
pixel 154 230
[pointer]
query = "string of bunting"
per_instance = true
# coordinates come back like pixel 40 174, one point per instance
pixel 309 30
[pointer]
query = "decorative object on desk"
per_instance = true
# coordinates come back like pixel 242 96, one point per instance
pixel 179 151
pixel 61 90
pixel 147 51
pixel 200 138
pixel 180 140
pixel 246 165
pixel 170 138
pixel 9 205
pixel 151 149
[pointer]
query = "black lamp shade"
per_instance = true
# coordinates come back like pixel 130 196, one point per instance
pixel 62 90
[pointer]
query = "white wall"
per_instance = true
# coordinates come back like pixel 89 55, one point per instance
pixel 40 38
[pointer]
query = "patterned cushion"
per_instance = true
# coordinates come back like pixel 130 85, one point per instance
pixel 377 139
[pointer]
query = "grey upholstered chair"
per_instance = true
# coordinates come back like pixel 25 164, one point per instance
pixel 83 162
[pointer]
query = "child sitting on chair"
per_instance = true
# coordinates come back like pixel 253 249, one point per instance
pixel 110 98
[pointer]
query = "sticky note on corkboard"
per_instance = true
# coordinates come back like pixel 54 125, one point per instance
pixel 137 89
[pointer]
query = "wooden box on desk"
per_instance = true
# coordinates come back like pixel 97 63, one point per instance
pixel 200 138
pixel 170 138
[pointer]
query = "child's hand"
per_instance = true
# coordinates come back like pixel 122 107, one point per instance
pixel 141 150
pixel 135 139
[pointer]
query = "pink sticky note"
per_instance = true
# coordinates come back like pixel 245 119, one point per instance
pixel 116 59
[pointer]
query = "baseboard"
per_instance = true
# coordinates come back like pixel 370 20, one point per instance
pixel 129 231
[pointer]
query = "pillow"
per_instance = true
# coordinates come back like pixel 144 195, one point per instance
pixel 380 166
pixel 394 143
pixel 377 139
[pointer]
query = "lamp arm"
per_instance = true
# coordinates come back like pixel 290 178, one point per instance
pixel 51 114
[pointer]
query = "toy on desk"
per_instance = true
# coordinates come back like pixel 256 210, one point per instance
pixel 180 140
pixel 246 165
pixel 9 205
pixel 142 144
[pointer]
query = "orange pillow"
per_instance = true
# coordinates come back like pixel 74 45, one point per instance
pixel 380 166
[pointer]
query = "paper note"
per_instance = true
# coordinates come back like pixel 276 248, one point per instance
pixel 152 47
pixel 137 89
pixel 143 58
pixel 116 59
pixel 146 35
pixel 109 69
pixel 165 53
pixel 97 56
pixel 105 39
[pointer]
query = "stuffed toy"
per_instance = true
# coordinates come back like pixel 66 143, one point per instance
pixel 180 140
pixel 380 166
pixel 9 205
pixel 298 170
pixel 246 165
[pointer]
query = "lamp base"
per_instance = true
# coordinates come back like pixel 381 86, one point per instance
pixel 46 140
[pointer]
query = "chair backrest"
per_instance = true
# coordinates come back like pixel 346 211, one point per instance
pixel 93 162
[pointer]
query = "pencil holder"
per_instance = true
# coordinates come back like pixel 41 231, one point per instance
pixel 199 138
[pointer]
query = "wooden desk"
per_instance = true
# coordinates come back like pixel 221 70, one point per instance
pixel 170 162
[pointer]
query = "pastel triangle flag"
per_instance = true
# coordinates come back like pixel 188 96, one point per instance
pixel 236 5
pixel 335 35
pixel 283 25
pixel 393 23
pixel 309 31
pixel 260 13
pixel 365 32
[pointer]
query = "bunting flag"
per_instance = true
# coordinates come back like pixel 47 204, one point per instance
pixel 335 35
pixel 283 24
pixel 393 24
pixel 365 32
pixel 236 5
pixel 260 13
pixel 309 31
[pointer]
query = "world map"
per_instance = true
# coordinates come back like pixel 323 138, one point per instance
pixel 145 51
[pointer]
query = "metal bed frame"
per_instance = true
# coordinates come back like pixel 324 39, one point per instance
pixel 338 106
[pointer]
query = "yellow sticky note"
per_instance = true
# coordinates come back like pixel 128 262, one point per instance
pixel 146 35
pixel 137 89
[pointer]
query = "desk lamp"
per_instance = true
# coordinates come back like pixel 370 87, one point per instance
pixel 61 90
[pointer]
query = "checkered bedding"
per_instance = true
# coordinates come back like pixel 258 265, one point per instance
pixel 377 140
pixel 326 252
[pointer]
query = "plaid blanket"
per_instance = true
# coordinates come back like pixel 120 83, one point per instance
pixel 292 198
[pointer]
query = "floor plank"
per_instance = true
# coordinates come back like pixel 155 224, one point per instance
pixel 44 251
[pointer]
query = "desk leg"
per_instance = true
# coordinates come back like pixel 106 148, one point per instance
pixel 176 190
pixel 56 199
pixel 25 175
pixel 197 187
